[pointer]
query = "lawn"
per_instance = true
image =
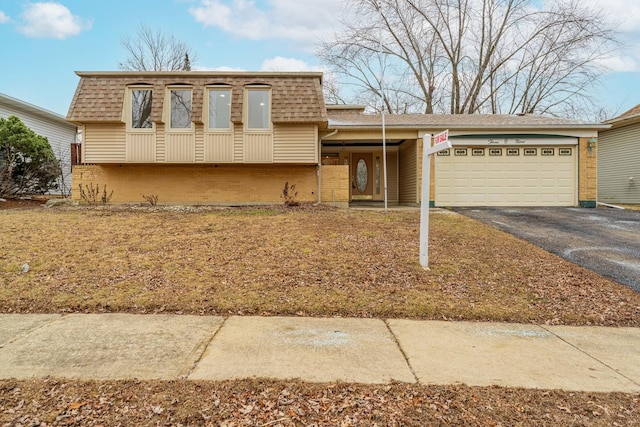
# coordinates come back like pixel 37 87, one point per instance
pixel 307 261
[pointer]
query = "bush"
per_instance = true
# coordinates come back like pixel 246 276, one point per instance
pixel 27 162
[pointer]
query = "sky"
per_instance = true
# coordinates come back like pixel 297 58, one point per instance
pixel 44 42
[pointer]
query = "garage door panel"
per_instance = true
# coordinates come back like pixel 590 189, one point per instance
pixel 506 180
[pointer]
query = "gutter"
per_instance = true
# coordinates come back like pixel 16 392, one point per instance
pixel 335 131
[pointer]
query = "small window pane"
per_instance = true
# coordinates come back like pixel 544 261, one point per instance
pixel 258 109
pixel 460 151
pixel 495 151
pixel 181 109
pixel 219 109
pixel 446 152
pixel 530 151
pixel 547 151
pixel 564 151
pixel 513 151
pixel 477 152
pixel 141 108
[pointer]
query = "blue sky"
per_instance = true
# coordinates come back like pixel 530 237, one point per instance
pixel 44 42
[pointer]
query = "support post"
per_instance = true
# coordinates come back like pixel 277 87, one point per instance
pixel 424 202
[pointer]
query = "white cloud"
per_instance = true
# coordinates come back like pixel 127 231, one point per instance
pixel 51 20
pixel 621 64
pixel 301 21
pixel 625 13
pixel 3 18
pixel 286 64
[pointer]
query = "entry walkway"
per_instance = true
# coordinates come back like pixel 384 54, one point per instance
pixel 124 346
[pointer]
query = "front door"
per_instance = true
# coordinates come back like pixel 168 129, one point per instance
pixel 361 176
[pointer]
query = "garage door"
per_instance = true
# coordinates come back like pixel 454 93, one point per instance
pixel 506 176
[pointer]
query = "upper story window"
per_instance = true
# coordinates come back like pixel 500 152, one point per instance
pixel 141 108
pixel 180 113
pixel 220 108
pixel 258 108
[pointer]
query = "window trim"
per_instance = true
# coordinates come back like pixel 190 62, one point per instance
pixel 167 109
pixel 207 108
pixel 128 109
pixel 248 89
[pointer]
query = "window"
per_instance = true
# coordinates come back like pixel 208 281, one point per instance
pixel 564 151
pixel 180 109
pixel 220 108
pixel 444 152
pixel 460 151
pixel 495 151
pixel 513 151
pixel 141 108
pixel 258 115
pixel 547 151
pixel 477 152
pixel 530 151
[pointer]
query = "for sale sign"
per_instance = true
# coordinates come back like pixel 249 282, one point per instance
pixel 441 137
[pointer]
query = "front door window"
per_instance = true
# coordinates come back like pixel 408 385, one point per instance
pixel 362 175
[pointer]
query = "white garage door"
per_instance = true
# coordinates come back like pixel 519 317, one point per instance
pixel 506 176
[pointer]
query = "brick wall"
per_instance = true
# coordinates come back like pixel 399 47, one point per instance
pixel 199 184
pixel 587 173
pixel 335 185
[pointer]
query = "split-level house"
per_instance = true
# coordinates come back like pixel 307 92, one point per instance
pixel 238 137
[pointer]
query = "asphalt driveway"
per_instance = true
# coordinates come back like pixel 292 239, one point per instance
pixel 606 241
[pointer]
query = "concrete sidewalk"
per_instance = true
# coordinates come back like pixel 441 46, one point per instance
pixel 123 346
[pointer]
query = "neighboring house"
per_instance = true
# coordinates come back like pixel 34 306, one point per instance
pixel 619 159
pixel 59 132
pixel 236 138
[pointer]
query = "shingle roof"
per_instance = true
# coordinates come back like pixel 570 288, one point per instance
pixel 627 118
pixel 296 97
pixel 349 120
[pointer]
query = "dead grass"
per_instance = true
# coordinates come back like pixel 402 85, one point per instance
pixel 278 261
pixel 290 403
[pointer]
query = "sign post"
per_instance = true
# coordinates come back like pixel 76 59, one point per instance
pixel 440 142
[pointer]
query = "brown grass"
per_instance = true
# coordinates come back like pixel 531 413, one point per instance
pixel 279 261
pixel 290 403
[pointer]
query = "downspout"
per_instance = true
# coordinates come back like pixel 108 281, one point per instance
pixel 335 131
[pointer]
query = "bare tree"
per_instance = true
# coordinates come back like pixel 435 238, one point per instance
pixel 155 50
pixel 472 56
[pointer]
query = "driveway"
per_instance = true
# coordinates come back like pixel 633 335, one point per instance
pixel 606 241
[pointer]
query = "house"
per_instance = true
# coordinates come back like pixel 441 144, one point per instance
pixel 59 132
pixel 238 137
pixel 619 159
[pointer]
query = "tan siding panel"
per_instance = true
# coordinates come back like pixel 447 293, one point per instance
pixel 295 144
pixel 199 138
pixel 104 144
pixel 619 160
pixel 180 148
pixel 141 147
pixel 238 144
pixel 258 148
pixel 392 177
pixel 161 146
pixel 218 148
pixel 408 185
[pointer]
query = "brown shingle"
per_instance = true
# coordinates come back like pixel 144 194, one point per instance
pixel 296 97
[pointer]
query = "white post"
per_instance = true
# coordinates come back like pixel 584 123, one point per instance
pixel 424 202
